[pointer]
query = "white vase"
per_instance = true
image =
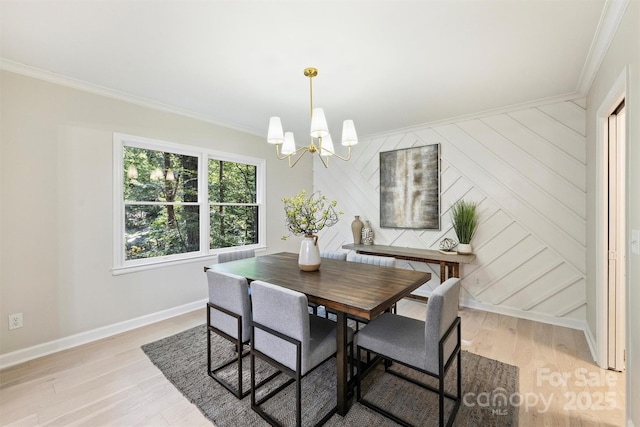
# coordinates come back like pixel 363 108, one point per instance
pixel 465 248
pixel 309 257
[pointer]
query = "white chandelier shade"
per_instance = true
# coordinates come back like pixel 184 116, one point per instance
pixel 289 146
pixel 319 127
pixel 327 146
pixel 349 135
pixel 275 134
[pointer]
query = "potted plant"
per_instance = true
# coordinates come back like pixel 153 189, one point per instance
pixel 465 222
pixel 307 216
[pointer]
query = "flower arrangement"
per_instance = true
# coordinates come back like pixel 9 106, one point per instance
pixel 308 215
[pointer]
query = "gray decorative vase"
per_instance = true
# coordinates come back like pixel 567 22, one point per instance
pixel 356 229
pixel 367 234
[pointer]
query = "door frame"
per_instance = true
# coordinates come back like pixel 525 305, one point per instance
pixel 616 94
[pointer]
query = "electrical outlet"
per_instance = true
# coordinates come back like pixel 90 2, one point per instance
pixel 15 321
pixel 635 242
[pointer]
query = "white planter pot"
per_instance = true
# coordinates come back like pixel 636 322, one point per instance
pixel 465 248
pixel 309 257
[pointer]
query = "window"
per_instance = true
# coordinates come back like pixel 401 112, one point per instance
pixel 176 202
pixel 232 204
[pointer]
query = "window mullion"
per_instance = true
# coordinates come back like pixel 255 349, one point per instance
pixel 203 200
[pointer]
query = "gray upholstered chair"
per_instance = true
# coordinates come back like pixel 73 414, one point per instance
pixel 429 347
pixel 228 315
pixel 342 256
pixel 382 261
pixel 235 255
pixel 291 340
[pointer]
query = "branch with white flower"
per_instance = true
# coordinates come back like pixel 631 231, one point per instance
pixel 308 215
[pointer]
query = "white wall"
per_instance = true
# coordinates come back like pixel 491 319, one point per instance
pixel 623 54
pixel 56 211
pixel 527 170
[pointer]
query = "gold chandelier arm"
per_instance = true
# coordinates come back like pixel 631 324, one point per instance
pixel 278 153
pixel 304 151
pixel 346 159
pixel 324 163
pixel 289 156
pixel 285 156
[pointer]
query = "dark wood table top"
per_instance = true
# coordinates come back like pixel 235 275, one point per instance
pixel 359 289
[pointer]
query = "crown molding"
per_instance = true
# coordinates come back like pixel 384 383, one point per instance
pixel 573 96
pixel 609 21
pixel 59 79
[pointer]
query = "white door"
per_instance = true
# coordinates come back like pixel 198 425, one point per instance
pixel 616 244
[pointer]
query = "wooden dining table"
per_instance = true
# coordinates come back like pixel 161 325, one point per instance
pixel 343 287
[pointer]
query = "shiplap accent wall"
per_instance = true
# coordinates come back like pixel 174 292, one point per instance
pixel 526 169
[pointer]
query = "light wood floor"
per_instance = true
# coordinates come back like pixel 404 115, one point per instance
pixel 111 381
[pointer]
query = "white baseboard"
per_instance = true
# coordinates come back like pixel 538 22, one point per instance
pixel 538 317
pixel 591 341
pixel 44 349
pixel 522 314
pixel 26 354
pixel 581 325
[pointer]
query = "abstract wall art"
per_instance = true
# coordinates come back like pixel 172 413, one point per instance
pixel 410 188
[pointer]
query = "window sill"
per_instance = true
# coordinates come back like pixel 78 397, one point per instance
pixel 117 271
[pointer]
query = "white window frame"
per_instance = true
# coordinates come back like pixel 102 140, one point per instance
pixel 120 140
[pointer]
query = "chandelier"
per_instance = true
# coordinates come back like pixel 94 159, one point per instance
pixel 319 131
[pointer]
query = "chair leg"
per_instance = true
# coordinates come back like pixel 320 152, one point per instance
pixel 441 401
pixel 252 363
pixel 298 399
pixel 459 375
pixel 208 349
pixel 236 390
pixel 358 374
pixel 239 350
pixel 353 368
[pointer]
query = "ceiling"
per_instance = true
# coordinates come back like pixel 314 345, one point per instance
pixel 385 64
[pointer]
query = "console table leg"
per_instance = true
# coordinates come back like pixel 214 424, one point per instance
pixel 455 270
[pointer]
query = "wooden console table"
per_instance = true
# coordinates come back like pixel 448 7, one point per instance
pixel 449 263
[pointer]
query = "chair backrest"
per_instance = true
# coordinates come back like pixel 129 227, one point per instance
pixel 442 311
pixel 230 292
pixel 235 255
pixel 382 261
pixel 284 311
pixel 333 255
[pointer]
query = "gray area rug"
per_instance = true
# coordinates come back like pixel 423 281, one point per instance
pixel 487 387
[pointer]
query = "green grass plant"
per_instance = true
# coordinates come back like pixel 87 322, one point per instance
pixel 465 221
